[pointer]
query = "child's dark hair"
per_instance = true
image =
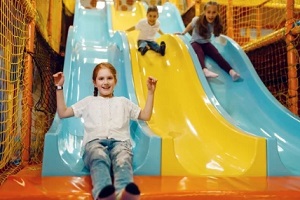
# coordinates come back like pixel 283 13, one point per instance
pixel 202 22
pixel 102 66
pixel 152 9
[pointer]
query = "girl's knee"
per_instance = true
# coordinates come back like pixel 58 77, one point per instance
pixel 97 154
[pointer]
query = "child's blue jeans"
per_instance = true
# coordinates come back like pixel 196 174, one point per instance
pixel 152 44
pixel 107 159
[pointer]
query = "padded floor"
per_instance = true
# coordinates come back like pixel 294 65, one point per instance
pixel 28 184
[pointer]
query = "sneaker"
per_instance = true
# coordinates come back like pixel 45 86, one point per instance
pixel 107 193
pixel 131 191
pixel 162 48
pixel 209 74
pixel 234 75
pixel 143 50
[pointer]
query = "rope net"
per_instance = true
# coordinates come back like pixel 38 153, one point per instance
pixel 14 102
pixel 46 63
pixel 13 36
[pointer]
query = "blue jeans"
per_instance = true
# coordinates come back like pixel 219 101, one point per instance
pixel 109 159
pixel 152 44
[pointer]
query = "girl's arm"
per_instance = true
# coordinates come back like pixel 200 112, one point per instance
pixel 187 29
pixel 62 110
pixel 146 113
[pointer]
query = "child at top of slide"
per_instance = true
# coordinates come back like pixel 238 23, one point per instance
pixel 148 28
pixel 203 27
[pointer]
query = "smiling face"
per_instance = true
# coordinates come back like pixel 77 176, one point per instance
pixel 152 17
pixel 211 11
pixel 104 80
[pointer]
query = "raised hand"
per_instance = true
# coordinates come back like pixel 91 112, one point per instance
pixel 151 83
pixel 59 78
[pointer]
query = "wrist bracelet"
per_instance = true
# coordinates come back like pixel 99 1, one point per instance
pixel 58 87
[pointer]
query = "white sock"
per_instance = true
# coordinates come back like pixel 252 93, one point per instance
pixel 234 75
pixel 209 74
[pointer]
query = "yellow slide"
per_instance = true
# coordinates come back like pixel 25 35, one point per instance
pixel 196 139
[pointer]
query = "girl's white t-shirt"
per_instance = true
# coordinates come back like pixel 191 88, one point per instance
pixel 105 118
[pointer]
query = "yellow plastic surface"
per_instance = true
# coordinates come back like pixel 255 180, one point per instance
pixel 196 139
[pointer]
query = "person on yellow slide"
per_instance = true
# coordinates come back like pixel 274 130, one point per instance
pixel 148 28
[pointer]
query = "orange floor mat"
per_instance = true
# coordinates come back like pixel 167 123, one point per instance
pixel 28 184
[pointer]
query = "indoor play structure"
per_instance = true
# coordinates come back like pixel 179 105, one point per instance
pixel 208 138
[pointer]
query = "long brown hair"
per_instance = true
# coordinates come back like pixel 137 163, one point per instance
pixel 202 22
pixel 103 65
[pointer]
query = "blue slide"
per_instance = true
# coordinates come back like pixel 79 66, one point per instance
pixel 247 104
pixel 254 109
pixel 91 41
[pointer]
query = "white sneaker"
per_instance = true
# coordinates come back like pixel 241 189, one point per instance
pixel 234 75
pixel 209 74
